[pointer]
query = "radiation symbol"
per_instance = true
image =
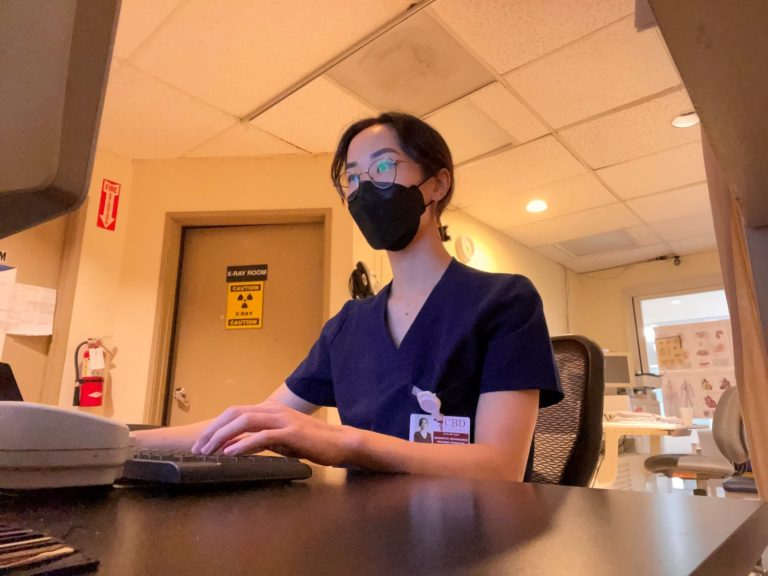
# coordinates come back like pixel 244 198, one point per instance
pixel 244 300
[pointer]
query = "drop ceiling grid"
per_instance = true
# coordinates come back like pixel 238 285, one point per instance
pixel 145 118
pixel 618 258
pixel 521 168
pixel 138 20
pixel 601 71
pixel 509 34
pixel 468 130
pixel 680 202
pixel 241 56
pixel 681 227
pixel 243 140
pixel 694 245
pixel 632 132
pixel 571 226
pixel 570 196
pixel 657 172
pixel 314 117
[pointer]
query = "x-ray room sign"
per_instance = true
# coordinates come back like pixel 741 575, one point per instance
pixel 245 296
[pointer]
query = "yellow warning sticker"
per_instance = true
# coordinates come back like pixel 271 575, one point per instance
pixel 245 305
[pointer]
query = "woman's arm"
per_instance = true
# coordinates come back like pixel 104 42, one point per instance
pixel 504 428
pixel 181 438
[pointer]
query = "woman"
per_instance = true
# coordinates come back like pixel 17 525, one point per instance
pixel 468 347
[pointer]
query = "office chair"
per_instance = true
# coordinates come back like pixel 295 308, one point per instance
pixel 9 389
pixel 568 434
pixel 730 439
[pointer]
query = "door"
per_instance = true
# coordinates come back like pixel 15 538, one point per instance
pixel 218 367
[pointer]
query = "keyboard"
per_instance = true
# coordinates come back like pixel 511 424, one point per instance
pixel 191 469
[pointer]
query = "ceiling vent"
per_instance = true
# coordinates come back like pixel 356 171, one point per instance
pixel 400 69
pixel 598 244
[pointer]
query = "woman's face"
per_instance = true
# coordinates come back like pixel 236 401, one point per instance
pixel 379 143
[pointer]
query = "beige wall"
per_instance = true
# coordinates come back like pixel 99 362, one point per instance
pixel 36 254
pixel 94 292
pixel 120 274
pixel 600 303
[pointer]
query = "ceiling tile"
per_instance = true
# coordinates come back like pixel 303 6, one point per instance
pixel 468 131
pixel 685 226
pixel 521 168
pixel 554 253
pixel 138 19
pixel 416 67
pixel 508 34
pixel 144 118
pixel 587 223
pixel 507 111
pixel 615 259
pixel 682 202
pixel 658 172
pixel 632 132
pixel 239 54
pixel 313 117
pixel 607 69
pixel 242 140
pixel 694 245
pixel 505 210
pixel 644 235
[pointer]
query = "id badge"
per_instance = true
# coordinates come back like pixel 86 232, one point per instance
pixel 427 429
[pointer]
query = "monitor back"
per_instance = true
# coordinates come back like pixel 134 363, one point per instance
pixel 54 63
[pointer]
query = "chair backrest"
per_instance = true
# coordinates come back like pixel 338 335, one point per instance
pixel 568 434
pixel 9 390
pixel 728 427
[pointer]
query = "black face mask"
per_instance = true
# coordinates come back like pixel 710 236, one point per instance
pixel 388 218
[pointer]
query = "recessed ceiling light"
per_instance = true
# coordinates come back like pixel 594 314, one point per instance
pixel 686 120
pixel 676 302
pixel 536 206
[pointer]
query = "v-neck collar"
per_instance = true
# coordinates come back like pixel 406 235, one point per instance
pixel 387 292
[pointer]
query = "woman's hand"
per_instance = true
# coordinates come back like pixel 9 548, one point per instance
pixel 273 426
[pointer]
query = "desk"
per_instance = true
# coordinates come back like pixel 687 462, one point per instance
pixel 399 524
pixel 606 474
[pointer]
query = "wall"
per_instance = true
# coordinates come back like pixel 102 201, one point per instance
pixel 94 290
pixel 37 255
pixel 118 283
pixel 494 252
pixel 600 303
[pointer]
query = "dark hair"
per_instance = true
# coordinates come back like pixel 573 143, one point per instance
pixel 422 143
pixel 423 420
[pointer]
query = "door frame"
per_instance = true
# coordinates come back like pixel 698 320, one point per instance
pixel 168 285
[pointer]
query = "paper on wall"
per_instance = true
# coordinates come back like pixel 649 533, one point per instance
pixel 25 310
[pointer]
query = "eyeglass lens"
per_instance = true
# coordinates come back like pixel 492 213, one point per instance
pixel 382 173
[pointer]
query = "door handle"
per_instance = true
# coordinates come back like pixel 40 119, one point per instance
pixel 180 395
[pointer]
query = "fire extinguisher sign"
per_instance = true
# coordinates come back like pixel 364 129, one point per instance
pixel 245 296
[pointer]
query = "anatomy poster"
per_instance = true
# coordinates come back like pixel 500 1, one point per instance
pixel 696 361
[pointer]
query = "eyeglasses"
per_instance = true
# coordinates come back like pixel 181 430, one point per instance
pixel 382 172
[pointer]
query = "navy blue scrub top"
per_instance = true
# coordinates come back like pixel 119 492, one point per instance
pixel 476 332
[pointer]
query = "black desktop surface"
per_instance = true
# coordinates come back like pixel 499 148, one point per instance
pixel 343 523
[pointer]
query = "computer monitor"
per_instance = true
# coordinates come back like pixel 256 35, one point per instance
pixel 617 372
pixel 54 62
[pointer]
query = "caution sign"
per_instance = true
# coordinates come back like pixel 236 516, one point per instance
pixel 245 296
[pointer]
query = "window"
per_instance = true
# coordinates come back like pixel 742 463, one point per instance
pixel 673 309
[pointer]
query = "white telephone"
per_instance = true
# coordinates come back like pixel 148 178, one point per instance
pixel 48 447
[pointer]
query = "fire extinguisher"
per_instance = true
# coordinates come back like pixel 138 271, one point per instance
pixel 89 374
